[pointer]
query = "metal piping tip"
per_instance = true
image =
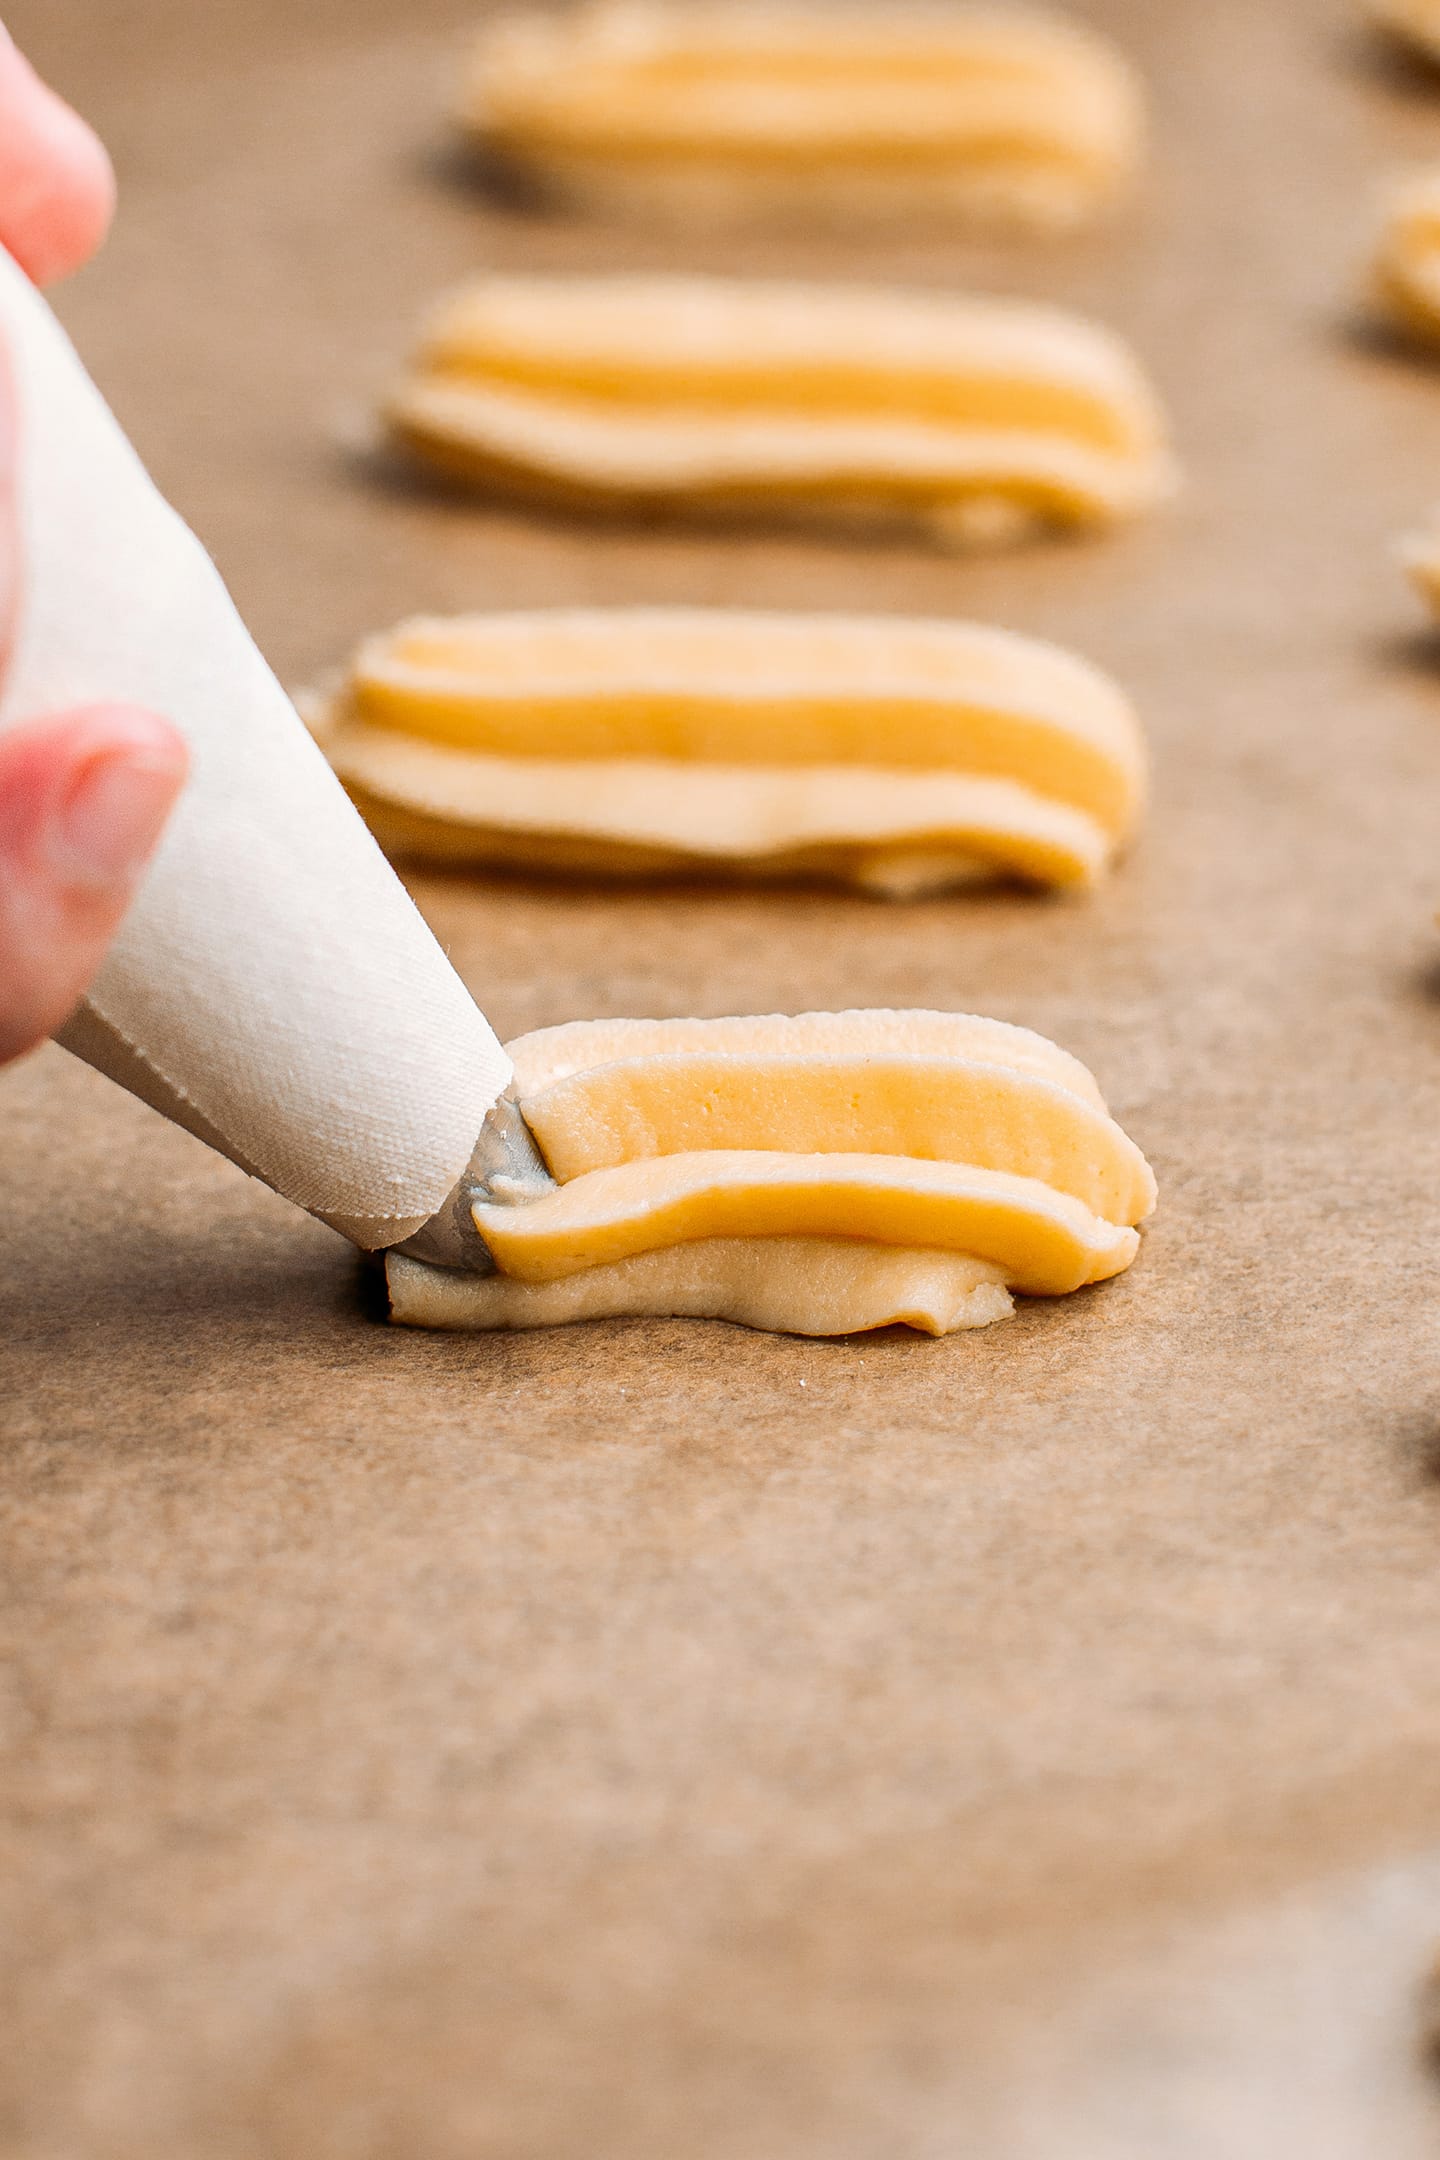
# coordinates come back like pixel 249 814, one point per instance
pixel 506 1167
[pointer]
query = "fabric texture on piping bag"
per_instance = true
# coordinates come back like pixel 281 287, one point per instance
pixel 273 988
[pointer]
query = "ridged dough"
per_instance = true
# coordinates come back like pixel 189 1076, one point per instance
pixel 1042 1240
pixel 822 114
pixel 902 756
pixel 794 1141
pixel 975 420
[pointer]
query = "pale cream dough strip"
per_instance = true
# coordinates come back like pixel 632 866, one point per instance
pixel 789 1286
pixel 455 807
pixel 852 472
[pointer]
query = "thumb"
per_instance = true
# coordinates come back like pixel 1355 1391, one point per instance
pixel 56 186
pixel 83 800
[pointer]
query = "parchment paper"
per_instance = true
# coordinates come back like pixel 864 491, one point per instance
pixel 663 1739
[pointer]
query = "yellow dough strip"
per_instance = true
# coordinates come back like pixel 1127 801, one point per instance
pixel 1044 1242
pixel 926 1109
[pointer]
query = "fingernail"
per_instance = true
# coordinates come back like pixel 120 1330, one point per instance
pixel 105 831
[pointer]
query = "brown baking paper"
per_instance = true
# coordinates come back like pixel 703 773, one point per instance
pixel 659 1738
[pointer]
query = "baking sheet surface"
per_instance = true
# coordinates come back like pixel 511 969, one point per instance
pixel 660 1738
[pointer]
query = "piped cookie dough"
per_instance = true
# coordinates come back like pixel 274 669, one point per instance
pixel 815 1175
pixel 974 421
pixel 708 114
pixel 1405 273
pixel 1419 556
pixel 899 756
pixel 1415 22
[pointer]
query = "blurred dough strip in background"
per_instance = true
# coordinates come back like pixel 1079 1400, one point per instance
pixel 1415 22
pixel 975 422
pixel 830 115
pixel 1405 267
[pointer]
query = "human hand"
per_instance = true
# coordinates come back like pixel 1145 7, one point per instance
pixel 84 795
